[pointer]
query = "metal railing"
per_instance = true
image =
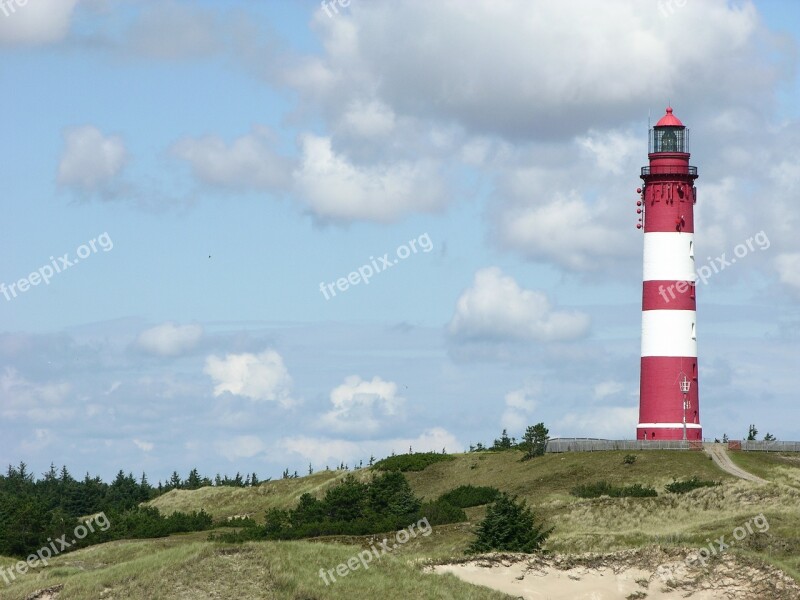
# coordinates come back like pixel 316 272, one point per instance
pixel 754 446
pixel 668 170
pixel 593 445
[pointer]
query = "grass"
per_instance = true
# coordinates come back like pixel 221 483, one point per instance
pixel 177 567
pixel 780 467
pixel 189 566
pixel 226 502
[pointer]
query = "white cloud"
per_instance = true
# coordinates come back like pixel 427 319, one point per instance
pixel 367 119
pixel 143 446
pixel 336 189
pixel 520 405
pixel 90 161
pixel 611 149
pixel 361 406
pixel 563 229
pixel 173 31
pixel 496 308
pixel 259 377
pixel 486 78
pixel 613 422
pixel 788 266
pixel 243 446
pixel 607 388
pixel 35 21
pixel 332 451
pixel 169 339
pixel 249 162
pixel 20 398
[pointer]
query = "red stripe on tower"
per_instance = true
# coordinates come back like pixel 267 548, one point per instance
pixel 668 396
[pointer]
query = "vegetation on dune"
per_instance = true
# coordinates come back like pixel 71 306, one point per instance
pixel 411 462
pixel 603 488
pixel 465 496
pixel 35 511
pixel 687 485
pixel 352 507
pixel 509 526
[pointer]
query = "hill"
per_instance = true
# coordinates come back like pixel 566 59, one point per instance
pixel 190 566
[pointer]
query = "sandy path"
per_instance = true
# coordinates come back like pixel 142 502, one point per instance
pixel 651 573
pixel 719 455
pixel 579 583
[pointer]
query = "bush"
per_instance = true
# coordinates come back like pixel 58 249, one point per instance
pixel 387 503
pixel 681 487
pixel 509 526
pixel 442 513
pixel 629 459
pixel 411 462
pixel 469 495
pixel 603 488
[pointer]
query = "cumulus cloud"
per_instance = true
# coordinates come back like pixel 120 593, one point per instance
pixel 565 230
pixel 171 31
pixel 487 79
pixel 169 339
pixel 91 161
pixel 788 266
pixel 361 406
pixel 143 446
pixel 34 22
pixel 260 377
pixel 322 450
pixel 519 407
pixel 21 398
pixel 336 189
pixel 495 308
pixel 607 388
pixel 613 422
pixel 249 162
pixel 242 446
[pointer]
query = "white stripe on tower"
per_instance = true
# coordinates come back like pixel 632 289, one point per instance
pixel 669 333
pixel 669 256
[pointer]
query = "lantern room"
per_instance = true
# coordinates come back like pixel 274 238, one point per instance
pixel 669 135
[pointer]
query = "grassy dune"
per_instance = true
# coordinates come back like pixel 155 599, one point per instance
pixel 190 566
pixel 183 567
pixel 537 480
pixel 773 466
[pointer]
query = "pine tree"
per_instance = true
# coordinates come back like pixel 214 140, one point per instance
pixel 509 526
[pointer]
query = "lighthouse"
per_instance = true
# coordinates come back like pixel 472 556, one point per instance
pixel 668 394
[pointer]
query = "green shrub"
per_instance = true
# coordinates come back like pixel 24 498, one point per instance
pixel 469 495
pixel 687 485
pixel 603 488
pixel 442 513
pixel 509 526
pixel 629 459
pixel 411 462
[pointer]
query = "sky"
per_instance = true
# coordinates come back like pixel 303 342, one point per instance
pixel 250 236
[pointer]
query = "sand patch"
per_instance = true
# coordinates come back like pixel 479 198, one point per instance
pixel 650 574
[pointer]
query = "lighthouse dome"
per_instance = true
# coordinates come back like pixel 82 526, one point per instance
pixel 669 120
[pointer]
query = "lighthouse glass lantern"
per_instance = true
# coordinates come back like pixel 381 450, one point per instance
pixel 665 211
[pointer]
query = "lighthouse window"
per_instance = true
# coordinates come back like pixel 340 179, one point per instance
pixel 694 334
pixel 691 249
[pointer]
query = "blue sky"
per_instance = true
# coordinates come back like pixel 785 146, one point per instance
pixel 227 158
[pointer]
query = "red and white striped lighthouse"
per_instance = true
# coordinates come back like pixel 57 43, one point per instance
pixel 668 398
